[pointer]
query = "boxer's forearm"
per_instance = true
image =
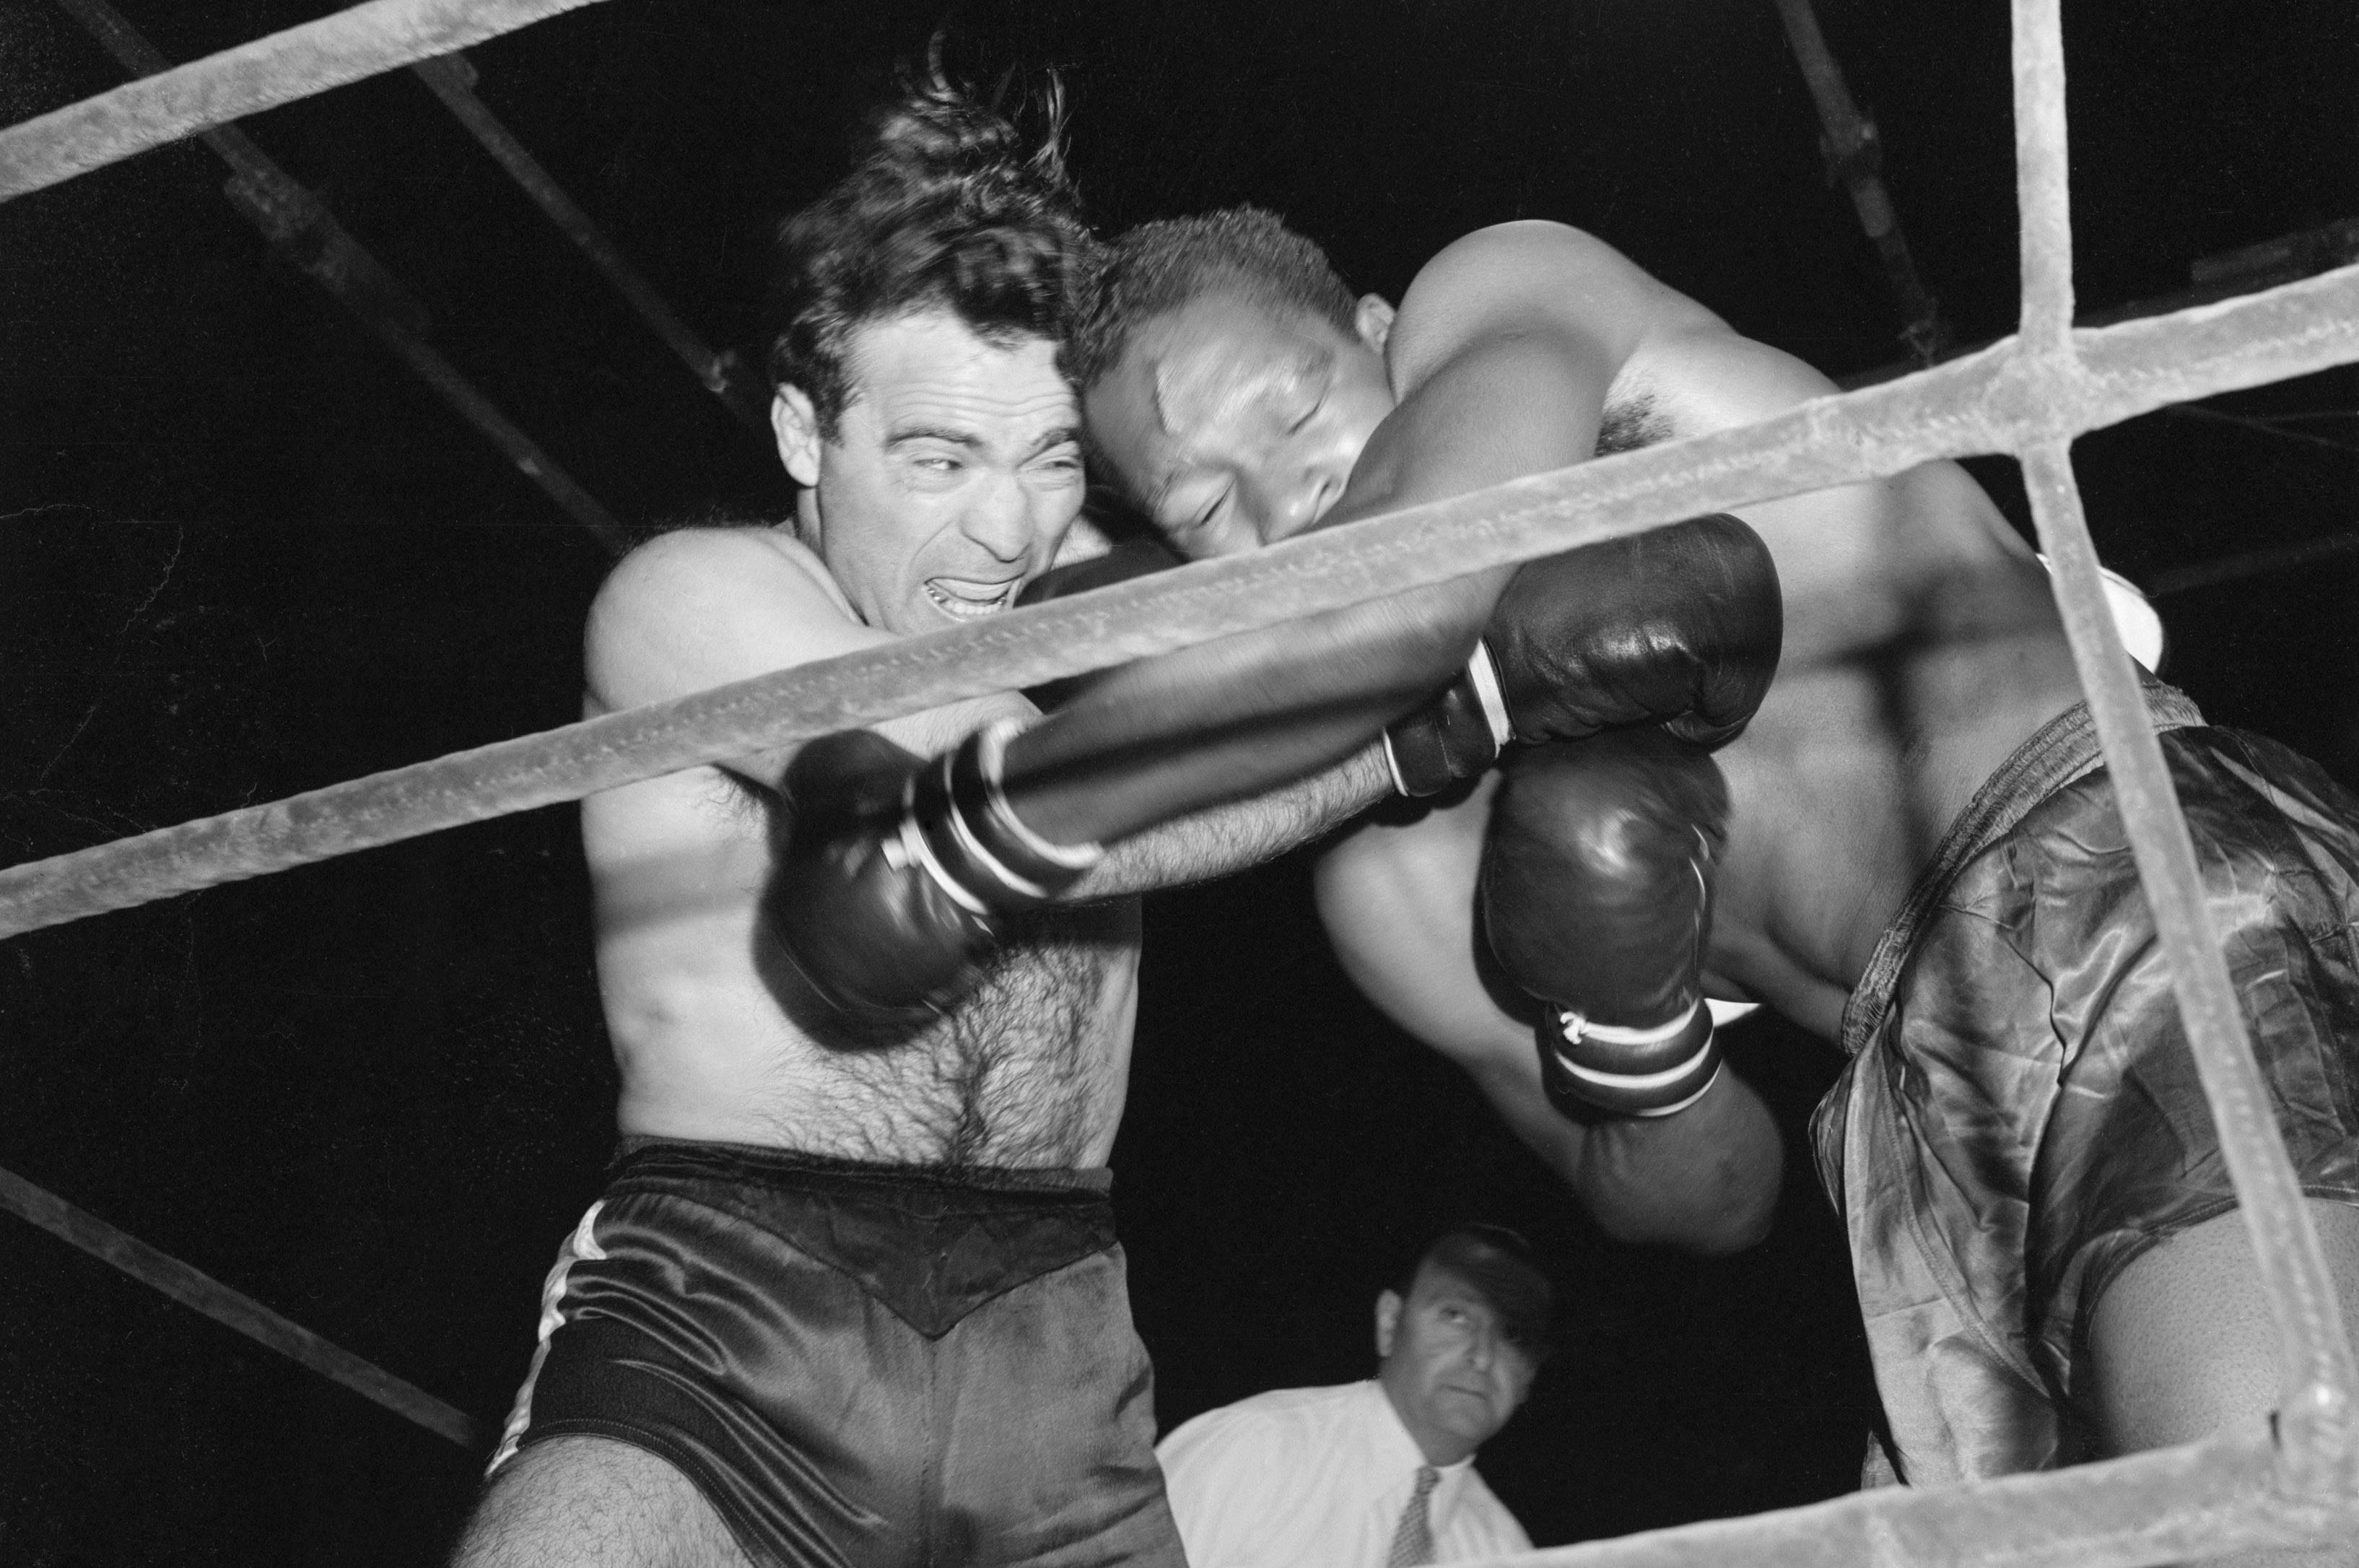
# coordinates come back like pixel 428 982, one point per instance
pixel 1233 719
pixel 1229 838
pixel 1237 718
pixel 1704 1181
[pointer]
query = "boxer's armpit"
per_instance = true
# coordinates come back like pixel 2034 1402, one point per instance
pixel 1227 839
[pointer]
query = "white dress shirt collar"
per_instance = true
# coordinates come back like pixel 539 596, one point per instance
pixel 1399 1458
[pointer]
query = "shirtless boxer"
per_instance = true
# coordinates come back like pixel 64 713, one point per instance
pixel 2042 1231
pixel 854 1297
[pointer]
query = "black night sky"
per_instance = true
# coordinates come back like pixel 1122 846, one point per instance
pixel 243 552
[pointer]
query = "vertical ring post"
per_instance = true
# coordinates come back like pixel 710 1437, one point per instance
pixel 2317 1376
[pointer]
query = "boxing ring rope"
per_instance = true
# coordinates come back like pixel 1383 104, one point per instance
pixel 279 69
pixel 2318 1377
pixel 201 1292
pixel 300 228
pixel 1995 401
pixel 2255 563
pixel 2292 1481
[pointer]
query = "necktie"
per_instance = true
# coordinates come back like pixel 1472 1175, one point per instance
pixel 1413 1541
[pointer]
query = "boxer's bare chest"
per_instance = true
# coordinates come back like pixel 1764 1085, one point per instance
pixel 716 1040
pixel 1917 658
pixel 1028 1072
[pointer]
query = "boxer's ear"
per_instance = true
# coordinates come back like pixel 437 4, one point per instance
pixel 1388 1311
pixel 796 424
pixel 1373 319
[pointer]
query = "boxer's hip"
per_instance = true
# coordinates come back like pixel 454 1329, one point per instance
pixel 929 1244
pixel 848 1359
pixel 2022 1116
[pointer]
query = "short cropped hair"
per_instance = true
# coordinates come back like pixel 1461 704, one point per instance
pixel 1161 266
pixel 943 209
pixel 1502 1268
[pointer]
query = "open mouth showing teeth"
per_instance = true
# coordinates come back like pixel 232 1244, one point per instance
pixel 963 601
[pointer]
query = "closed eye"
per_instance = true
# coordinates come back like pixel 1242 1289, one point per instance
pixel 1201 520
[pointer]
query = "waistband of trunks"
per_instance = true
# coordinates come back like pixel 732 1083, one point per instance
pixel 664 1160
pixel 2061 751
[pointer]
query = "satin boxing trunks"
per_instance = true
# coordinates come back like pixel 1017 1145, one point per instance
pixel 2021 1116
pixel 861 1364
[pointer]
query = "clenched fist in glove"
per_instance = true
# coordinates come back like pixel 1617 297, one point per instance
pixel 1596 887
pixel 1682 624
pixel 898 871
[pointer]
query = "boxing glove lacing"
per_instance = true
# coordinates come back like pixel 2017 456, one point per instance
pixel 992 758
pixel 968 778
pixel 1573 1029
pixel 1482 677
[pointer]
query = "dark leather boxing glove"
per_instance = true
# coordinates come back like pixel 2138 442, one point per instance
pixel 1596 888
pixel 1128 559
pixel 898 871
pixel 1680 623
pixel 1456 736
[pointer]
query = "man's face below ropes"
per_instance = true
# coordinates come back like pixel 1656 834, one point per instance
pixel 952 476
pixel 1236 425
pixel 1452 1374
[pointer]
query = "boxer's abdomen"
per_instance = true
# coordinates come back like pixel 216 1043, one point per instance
pixel 716 1040
pixel 1843 785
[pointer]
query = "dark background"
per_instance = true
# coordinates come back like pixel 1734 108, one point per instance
pixel 242 553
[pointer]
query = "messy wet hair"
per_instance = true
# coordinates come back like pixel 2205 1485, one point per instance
pixel 944 209
pixel 1161 266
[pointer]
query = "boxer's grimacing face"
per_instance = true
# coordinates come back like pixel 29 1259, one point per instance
pixel 1237 424
pixel 952 476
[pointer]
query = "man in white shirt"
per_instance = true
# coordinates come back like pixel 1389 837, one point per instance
pixel 1378 1473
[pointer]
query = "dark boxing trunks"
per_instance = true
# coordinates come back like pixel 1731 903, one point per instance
pixel 861 1364
pixel 2021 1115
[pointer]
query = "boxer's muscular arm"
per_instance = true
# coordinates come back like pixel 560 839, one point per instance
pixel 701 607
pixel 1503 349
pixel 1223 839
pixel 1399 904
pixel 1229 838
pixel 893 909
pixel 1224 721
pixel 1503 352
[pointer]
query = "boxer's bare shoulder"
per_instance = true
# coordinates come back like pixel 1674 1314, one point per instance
pixel 1536 277
pixel 711 1034
pixel 1921 643
pixel 699 607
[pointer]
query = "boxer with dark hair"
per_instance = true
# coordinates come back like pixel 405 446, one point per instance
pixel 852 1293
pixel 1904 842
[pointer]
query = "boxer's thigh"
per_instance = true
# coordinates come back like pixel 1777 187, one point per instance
pixel 697 1348
pixel 2130 1161
pixel 2181 1342
pixel 593 1502
pixel 1047 1404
